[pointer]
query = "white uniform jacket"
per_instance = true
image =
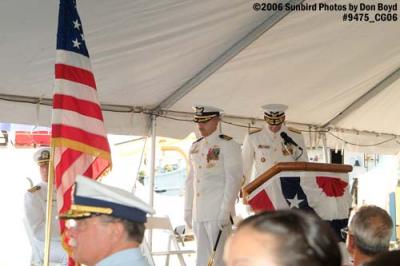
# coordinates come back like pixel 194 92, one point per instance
pixel 35 221
pixel 214 178
pixel 263 149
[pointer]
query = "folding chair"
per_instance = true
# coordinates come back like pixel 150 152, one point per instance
pixel 164 223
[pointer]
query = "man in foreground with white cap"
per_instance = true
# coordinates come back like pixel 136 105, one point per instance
pixel 212 185
pixel 106 225
pixel 35 204
pixel 272 144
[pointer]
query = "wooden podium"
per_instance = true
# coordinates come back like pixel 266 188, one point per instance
pixel 319 187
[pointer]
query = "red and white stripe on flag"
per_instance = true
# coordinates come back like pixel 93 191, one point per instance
pixel 327 193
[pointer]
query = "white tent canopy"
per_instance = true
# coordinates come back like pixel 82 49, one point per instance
pixel 165 56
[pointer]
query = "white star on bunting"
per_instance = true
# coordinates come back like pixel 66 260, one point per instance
pixel 294 203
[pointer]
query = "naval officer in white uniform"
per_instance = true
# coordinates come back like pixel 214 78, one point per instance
pixel 274 143
pixel 212 185
pixel 35 204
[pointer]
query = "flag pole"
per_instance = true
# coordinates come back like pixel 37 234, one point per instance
pixel 50 185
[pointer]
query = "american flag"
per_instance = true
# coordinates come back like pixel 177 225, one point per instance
pixel 78 135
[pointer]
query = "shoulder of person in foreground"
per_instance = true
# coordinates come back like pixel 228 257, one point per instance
pixel 390 258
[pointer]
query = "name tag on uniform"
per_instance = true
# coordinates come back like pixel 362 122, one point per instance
pixel 263 146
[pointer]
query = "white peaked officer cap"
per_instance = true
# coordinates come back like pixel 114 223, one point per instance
pixel 93 198
pixel 274 114
pixel 204 113
pixel 42 155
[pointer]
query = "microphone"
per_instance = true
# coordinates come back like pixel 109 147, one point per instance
pixel 289 140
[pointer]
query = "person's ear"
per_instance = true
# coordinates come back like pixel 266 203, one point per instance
pixel 350 243
pixel 116 231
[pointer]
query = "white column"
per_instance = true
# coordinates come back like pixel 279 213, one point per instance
pixel 152 171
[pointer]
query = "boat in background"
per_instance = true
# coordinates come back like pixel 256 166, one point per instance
pixel 169 180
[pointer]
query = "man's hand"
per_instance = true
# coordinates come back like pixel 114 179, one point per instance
pixel 223 220
pixel 188 218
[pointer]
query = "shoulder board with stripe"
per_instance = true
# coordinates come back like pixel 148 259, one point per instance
pixel 198 140
pixel 254 130
pixel 295 130
pixel 225 137
pixel 34 189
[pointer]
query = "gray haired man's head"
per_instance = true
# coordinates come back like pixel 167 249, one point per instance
pixel 371 228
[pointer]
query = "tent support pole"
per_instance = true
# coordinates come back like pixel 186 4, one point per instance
pixel 152 172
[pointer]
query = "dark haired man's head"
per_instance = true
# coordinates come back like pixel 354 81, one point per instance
pixel 286 237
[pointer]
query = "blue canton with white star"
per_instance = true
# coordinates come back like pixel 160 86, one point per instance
pixel 293 193
pixel 70 33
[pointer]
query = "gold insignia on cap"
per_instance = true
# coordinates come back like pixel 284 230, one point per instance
pixel 87 208
pixel 84 211
pixel 203 119
pixel 274 119
pixel 71 214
